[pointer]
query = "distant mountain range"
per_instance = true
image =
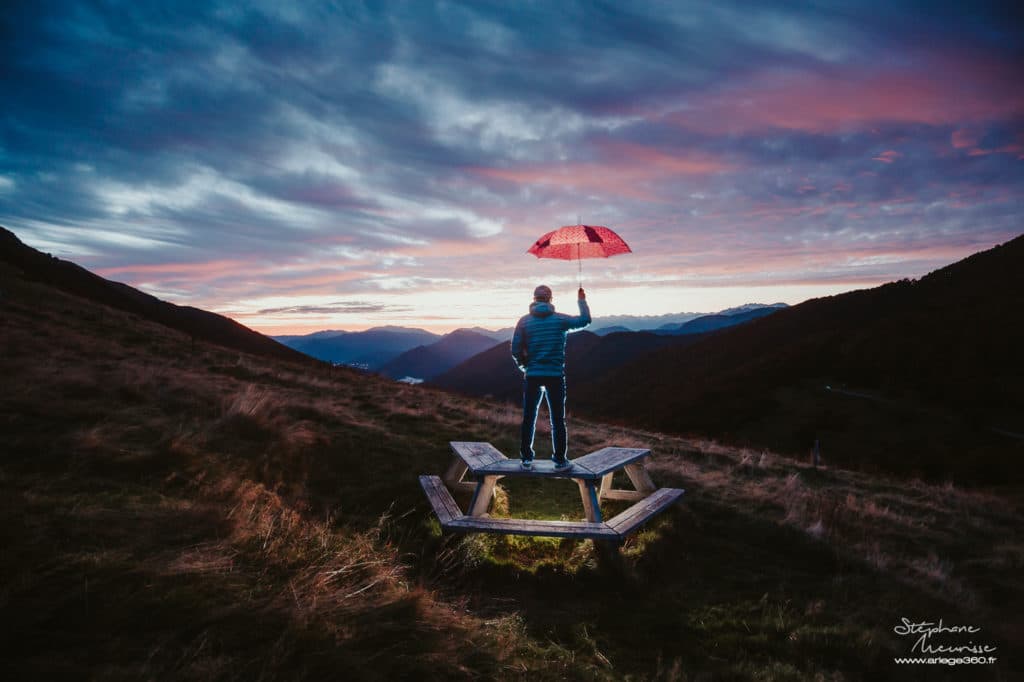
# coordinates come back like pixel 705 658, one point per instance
pixel 200 324
pixel 726 318
pixel 589 355
pixel 383 349
pixel 427 361
pixel 638 323
pixel 496 334
pixel 325 334
pixel 370 349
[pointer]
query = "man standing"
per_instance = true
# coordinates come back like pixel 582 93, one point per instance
pixel 538 347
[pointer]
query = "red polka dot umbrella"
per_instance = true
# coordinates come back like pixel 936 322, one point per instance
pixel 576 242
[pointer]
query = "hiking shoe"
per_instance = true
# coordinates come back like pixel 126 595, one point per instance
pixel 526 463
pixel 562 466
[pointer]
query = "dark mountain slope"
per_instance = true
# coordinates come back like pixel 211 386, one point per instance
pixel 200 324
pixel 426 362
pixel 929 367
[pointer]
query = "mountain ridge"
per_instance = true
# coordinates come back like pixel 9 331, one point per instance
pixel 370 349
pixel 201 324
pixel 428 361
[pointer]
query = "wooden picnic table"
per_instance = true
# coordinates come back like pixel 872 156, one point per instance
pixel 593 473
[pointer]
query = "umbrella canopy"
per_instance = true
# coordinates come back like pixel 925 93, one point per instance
pixel 576 242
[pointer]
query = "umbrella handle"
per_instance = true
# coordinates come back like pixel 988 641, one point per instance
pixel 579 263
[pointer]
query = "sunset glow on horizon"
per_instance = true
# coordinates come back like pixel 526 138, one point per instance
pixel 343 167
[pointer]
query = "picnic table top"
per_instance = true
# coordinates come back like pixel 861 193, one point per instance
pixel 543 468
pixel 476 454
pixel 484 459
pixel 606 460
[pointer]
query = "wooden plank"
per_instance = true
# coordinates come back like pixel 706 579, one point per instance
pixel 591 505
pixel 629 495
pixel 439 492
pixel 442 494
pixel 605 460
pixel 440 499
pixel 483 496
pixel 542 468
pixel 555 529
pixel 644 509
pixel 476 454
pixel 641 480
pixel 606 486
pixel 641 512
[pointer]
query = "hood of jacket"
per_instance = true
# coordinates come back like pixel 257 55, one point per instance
pixel 541 309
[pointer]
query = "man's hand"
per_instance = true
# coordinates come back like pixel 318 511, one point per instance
pixel 582 294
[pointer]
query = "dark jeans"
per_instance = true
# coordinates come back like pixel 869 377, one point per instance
pixel 553 388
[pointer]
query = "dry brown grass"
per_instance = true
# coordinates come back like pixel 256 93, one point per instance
pixel 861 516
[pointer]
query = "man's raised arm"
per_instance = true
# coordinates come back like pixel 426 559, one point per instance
pixel 583 319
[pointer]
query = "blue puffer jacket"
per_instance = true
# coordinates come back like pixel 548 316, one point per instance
pixel 538 344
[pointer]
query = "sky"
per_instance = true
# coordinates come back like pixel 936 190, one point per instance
pixel 342 165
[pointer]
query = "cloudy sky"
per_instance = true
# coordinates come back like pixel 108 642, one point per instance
pixel 302 167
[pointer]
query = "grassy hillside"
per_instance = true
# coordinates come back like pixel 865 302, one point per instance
pixel 171 511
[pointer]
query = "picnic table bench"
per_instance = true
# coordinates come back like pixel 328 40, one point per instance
pixel 593 473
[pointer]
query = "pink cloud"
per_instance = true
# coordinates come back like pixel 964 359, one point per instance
pixel 938 90
pixel 963 138
pixel 970 140
pixel 199 271
pixel 234 277
pixel 628 170
pixel 887 156
pixel 449 249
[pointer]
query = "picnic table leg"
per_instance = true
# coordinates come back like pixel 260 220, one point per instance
pixel 591 505
pixel 456 471
pixel 641 479
pixel 453 477
pixel 482 497
pixel 606 485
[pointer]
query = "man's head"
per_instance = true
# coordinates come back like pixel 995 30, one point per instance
pixel 542 293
